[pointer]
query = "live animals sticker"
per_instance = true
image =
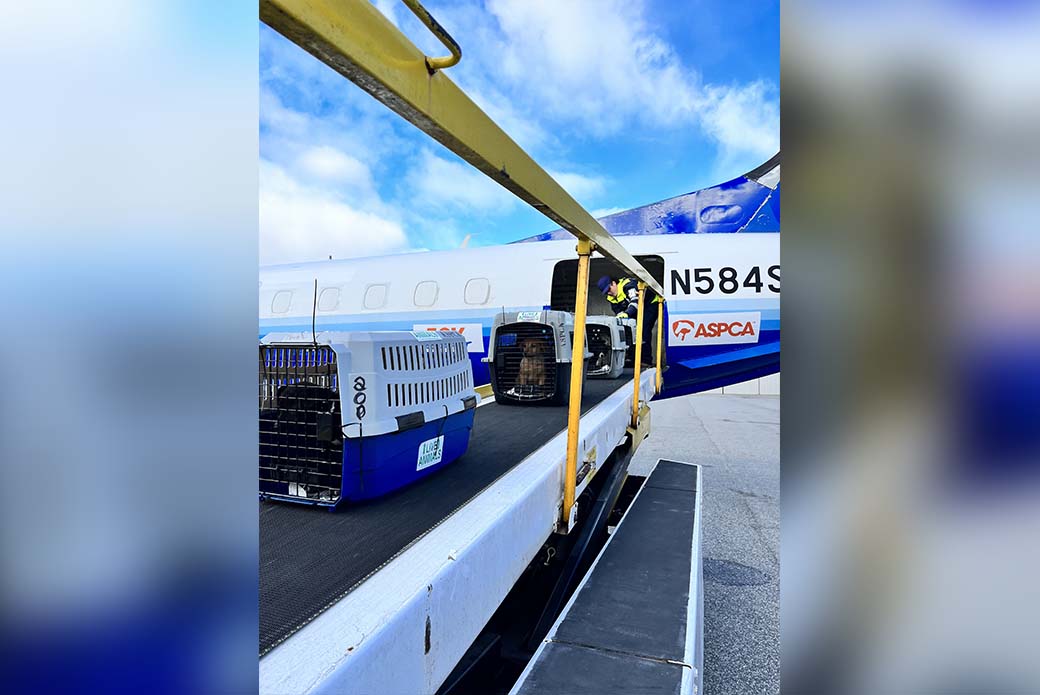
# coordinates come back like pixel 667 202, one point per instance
pixel 528 315
pixel 430 453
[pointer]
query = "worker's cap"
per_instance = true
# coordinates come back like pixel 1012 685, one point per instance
pixel 604 283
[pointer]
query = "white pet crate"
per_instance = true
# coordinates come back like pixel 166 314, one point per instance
pixel 628 325
pixel 605 336
pixel 354 415
pixel 529 356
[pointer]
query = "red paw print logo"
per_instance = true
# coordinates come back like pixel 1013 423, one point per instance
pixel 682 328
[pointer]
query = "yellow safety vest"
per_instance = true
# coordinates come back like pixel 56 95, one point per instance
pixel 620 300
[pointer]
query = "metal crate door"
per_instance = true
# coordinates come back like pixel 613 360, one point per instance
pixel 301 441
pixel 601 347
pixel 526 361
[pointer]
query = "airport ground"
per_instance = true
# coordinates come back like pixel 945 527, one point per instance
pixel 737 440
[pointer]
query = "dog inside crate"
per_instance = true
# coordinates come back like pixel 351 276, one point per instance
pixel 526 361
pixel 532 364
pixel 529 357
pixel 600 347
pixel 606 345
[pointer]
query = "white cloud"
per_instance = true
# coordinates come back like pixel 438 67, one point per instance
pixel 599 66
pixel 329 164
pixel 301 223
pixel 601 63
pixel 744 120
pixel 524 131
pixel 580 187
pixel 287 131
pixel 276 117
pixel 318 196
pixel 388 8
pixel 439 182
pixel 604 212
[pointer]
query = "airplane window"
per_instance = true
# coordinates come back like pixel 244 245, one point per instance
pixel 425 293
pixel 375 296
pixel 328 300
pixel 282 300
pixel 477 291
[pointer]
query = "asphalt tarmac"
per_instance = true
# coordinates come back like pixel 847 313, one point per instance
pixel 737 440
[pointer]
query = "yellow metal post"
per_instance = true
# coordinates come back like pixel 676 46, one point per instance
pixel 639 354
pixel 577 372
pixel 660 331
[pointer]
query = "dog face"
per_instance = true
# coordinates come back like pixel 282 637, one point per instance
pixel 531 347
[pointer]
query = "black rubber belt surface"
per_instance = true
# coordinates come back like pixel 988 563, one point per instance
pixel 626 630
pixel 310 557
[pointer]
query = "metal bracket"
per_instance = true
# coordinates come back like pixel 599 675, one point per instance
pixel 564 528
pixel 641 429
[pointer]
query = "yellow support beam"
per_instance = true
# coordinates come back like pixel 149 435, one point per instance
pixel 660 331
pixel 570 472
pixel 356 40
pixel 639 354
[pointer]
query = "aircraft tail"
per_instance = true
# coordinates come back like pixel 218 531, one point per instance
pixel 748 203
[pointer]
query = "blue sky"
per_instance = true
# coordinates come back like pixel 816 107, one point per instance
pixel 626 102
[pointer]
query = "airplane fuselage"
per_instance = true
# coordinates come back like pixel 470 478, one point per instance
pixel 722 321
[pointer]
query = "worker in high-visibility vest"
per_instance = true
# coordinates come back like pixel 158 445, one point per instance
pixel 623 296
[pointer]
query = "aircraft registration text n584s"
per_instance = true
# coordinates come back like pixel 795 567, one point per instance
pixel 726 280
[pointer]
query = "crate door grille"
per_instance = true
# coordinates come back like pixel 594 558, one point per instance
pixel 630 341
pixel 299 396
pixel 600 346
pixel 531 376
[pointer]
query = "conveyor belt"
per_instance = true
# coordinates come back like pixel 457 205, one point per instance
pixel 626 630
pixel 310 557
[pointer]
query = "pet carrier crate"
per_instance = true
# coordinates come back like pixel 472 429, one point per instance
pixel 529 356
pixel 605 336
pixel 352 416
pixel 628 325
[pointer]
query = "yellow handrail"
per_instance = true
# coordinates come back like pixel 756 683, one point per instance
pixel 434 64
pixel 660 330
pixel 581 301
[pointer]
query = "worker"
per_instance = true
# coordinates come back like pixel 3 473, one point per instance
pixel 623 296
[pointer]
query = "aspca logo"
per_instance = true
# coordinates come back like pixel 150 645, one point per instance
pixel 715 329
pixel 700 329
pixel 683 328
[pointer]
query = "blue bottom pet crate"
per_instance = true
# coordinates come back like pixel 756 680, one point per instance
pixel 355 416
